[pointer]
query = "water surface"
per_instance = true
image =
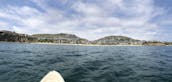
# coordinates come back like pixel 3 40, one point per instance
pixel 30 62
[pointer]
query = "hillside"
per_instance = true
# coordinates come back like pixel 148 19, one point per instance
pixel 61 38
pixel 155 43
pixel 117 40
pixel 9 36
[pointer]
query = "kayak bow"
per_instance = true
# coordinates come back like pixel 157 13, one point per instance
pixel 53 76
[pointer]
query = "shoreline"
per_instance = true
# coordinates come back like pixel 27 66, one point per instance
pixel 91 44
pixel 83 44
pixel 76 44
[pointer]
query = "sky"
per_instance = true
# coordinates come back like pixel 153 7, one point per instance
pixel 90 19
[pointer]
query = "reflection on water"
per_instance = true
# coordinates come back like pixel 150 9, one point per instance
pixel 30 62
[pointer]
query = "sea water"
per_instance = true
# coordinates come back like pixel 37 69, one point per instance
pixel 30 62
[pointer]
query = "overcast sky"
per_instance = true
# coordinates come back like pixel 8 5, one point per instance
pixel 91 19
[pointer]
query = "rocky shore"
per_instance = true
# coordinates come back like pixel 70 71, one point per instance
pixel 71 39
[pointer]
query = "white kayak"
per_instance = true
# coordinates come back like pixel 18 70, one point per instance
pixel 53 76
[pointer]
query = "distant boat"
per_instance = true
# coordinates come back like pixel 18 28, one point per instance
pixel 52 76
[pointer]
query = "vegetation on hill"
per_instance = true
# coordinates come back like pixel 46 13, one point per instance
pixel 117 40
pixel 153 43
pixel 9 36
pixel 61 38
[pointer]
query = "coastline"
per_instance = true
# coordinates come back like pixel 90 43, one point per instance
pixel 89 44
pixel 72 39
pixel 75 44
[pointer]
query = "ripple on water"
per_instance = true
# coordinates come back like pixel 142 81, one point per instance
pixel 29 63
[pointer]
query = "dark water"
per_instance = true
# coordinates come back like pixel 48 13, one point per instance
pixel 30 62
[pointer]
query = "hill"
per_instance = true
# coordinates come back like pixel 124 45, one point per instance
pixel 9 36
pixel 117 40
pixel 61 38
pixel 64 38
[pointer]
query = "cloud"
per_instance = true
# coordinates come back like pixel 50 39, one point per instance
pixel 133 22
pixel 87 9
pixel 88 19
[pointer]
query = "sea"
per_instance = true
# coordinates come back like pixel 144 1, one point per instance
pixel 24 62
